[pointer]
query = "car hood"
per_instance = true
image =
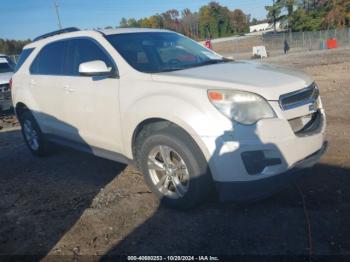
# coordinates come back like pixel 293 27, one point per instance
pixel 269 81
pixel 5 77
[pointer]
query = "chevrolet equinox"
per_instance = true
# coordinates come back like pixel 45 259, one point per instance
pixel 190 119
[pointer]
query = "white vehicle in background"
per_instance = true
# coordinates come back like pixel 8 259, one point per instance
pixel 187 117
pixel 6 72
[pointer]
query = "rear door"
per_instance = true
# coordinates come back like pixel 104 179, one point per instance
pixel 91 103
pixel 46 87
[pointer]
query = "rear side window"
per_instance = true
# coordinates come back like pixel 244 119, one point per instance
pixel 83 50
pixel 50 60
pixel 23 57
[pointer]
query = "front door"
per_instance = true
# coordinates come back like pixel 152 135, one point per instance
pixel 91 103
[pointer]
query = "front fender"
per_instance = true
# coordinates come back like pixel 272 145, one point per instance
pixel 188 116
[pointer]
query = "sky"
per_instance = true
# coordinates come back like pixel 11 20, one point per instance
pixel 23 19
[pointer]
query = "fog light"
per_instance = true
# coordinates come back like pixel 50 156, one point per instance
pixel 255 161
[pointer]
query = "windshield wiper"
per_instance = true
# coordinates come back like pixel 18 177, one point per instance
pixel 212 62
pixel 171 69
pixel 208 62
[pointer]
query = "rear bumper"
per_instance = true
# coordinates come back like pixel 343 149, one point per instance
pixel 243 191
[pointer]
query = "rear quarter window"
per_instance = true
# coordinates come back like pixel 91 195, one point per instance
pixel 23 57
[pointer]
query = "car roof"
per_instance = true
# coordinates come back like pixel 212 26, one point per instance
pixel 90 32
pixel 130 30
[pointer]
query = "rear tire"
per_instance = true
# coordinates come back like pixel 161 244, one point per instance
pixel 173 166
pixel 32 135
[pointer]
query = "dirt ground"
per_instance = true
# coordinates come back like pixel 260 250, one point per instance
pixel 75 204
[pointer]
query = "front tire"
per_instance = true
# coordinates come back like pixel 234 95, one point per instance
pixel 32 135
pixel 173 166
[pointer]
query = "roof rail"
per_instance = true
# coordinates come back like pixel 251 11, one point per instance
pixel 99 31
pixel 58 32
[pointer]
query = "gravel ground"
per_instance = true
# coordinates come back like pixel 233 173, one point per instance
pixel 75 204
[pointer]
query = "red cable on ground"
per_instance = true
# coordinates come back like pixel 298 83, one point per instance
pixel 307 221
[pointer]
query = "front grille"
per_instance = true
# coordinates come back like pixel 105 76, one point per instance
pixel 297 124
pixel 300 97
pixel 4 88
pixel 7 96
pixel 5 93
pixel 307 125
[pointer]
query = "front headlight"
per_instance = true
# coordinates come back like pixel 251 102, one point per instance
pixel 244 107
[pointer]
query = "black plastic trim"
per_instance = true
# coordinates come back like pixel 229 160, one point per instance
pixel 58 32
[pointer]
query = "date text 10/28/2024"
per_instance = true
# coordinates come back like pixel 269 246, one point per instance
pixel 172 258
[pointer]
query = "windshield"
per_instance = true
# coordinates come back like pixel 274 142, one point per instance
pixel 5 68
pixel 155 52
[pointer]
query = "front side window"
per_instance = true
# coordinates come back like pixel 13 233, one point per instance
pixel 83 50
pixel 50 60
pixel 155 52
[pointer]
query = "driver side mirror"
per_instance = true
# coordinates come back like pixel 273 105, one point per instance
pixel 95 68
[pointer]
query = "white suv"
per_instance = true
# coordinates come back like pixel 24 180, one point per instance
pixel 187 117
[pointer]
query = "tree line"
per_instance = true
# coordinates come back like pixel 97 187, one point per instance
pixel 210 21
pixel 310 15
pixel 214 20
pixel 12 47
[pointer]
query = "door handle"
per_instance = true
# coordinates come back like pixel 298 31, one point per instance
pixel 68 89
pixel 32 82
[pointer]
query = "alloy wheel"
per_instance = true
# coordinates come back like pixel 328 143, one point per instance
pixel 168 171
